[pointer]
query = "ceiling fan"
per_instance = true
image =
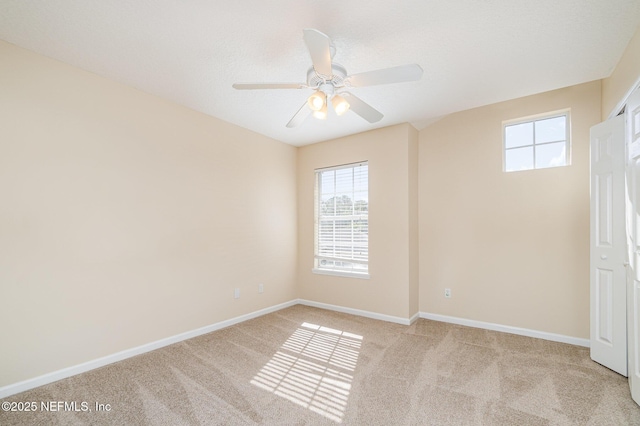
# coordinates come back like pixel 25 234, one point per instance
pixel 330 80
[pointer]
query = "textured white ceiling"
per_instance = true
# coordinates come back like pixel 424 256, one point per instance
pixel 473 52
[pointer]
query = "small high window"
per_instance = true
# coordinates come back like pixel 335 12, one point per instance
pixel 536 142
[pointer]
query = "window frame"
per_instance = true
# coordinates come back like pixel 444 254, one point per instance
pixel 533 119
pixel 317 218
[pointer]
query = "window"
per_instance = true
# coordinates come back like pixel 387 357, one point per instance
pixel 536 143
pixel 342 220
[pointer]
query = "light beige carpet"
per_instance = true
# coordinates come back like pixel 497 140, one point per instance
pixel 304 365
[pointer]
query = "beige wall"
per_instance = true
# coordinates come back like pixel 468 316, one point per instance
pixel 126 219
pixel 513 247
pixel 623 78
pixel 388 152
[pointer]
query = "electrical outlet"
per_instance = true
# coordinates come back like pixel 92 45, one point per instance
pixel 236 293
pixel 447 293
pixel 260 288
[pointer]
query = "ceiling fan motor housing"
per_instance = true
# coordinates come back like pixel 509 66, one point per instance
pixel 317 81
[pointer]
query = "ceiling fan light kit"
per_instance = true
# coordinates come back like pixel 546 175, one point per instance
pixel 330 80
pixel 317 100
pixel 321 113
pixel 340 104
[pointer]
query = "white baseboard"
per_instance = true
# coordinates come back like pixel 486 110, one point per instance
pixel 508 329
pixel 358 312
pixel 54 376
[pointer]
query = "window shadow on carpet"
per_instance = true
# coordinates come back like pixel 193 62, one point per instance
pixel 314 369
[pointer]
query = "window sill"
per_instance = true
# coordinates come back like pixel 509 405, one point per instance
pixel 361 275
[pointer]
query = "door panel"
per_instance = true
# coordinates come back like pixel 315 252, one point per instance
pixel 608 246
pixel 604 210
pixel 632 115
pixel 604 302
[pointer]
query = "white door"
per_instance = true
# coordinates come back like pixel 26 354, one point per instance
pixel 608 246
pixel 633 229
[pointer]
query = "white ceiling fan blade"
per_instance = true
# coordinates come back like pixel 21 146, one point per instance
pixel 300 116
pixel 362 108
pixel 319 47
pixel 399 74
pixel 254 86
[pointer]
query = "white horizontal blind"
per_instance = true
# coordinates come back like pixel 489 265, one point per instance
pixel 342 219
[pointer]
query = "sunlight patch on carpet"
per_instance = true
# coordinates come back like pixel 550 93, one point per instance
pixel 313 369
